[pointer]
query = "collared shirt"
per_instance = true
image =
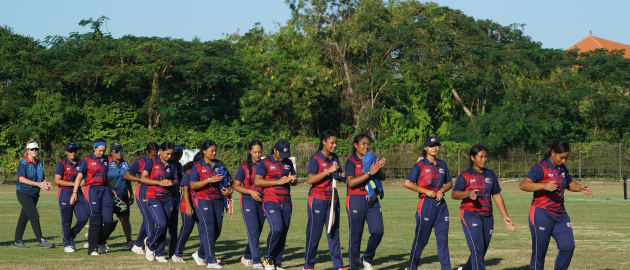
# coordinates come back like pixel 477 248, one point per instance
pixel 427 175
pixel 94 170
pixel 158 171
pixel 202 171
pixel 116 176
pixel 136 170
pixel 68 171
pixel 550 201
pixel 271 169
pixel 33 170
pixel 354 167
pixel 246 177
pixel 487 184
pixel 317 164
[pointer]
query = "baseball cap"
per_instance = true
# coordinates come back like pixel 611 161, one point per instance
pixel 431 141
pixel 284 148
pixel 116 148
pixel 71 146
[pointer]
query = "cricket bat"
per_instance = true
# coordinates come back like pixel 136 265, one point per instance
pixel 331 217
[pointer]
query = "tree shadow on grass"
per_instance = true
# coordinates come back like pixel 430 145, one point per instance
pixel 522 267
pixel 403 261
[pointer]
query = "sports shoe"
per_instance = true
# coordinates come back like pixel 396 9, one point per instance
pixel 214 265
pixel 46 244
pixel 366 265
pixel 197 259
pixel 69 249
pixel 161 259
pixel 258 266
pixel 268 263
pixel 103 248
pixel 72 244
pixel 138 250
pixel 279 267
pixel 246 262
pixel 94 253
pixel 150 255
pixel 19 244
pixel 460 268
pixel 177 259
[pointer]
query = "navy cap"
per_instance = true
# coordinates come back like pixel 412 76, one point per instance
pixel 284 148
pixel 116 148
pixel 431 141
pixel 71 146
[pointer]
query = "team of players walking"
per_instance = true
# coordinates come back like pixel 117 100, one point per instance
pixel 98 186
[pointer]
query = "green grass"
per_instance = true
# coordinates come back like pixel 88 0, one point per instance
pixel 601 226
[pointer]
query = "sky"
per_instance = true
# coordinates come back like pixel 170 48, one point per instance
pixel 554 23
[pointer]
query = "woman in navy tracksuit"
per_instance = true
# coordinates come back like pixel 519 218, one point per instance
pixel 134 174
pixel 98 195
pixel 430 178
pixel 251 203
pixel 207 180
pixel 159 174
pixel 276 175
pixel 320 169
pixel 475 186
pixel 65 174
pixel 357 207
pixel 547 215
pixel 187 212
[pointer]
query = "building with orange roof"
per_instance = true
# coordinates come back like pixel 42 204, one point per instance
pixel 591 42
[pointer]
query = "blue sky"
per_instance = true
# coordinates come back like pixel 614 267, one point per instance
pixel 555 23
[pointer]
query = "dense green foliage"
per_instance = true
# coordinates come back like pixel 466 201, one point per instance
pixel 389 68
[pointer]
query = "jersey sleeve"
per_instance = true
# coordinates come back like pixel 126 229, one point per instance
pixel 313 167
pixel 413 174
pixel 349 169
pixel 291 168
pixel 21 170
pixel 240 174
pixel 447 174
pixel 135 167
pixel 194 174
pixel 59 169
pixel 535 173
pixel 261 169
pixel 185 180
pixel 567 176
pixel 148 166
pixel 83 167
pixel 460 183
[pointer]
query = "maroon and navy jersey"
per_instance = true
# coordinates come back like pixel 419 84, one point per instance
pixel 551 201
pixel 271 169
pixel 94 170
pixel 317 164
pixel 487 184
pixel 136 170
pixel 246 177
pixel 68 171
pixel 429 176
pixel 158 171
pixel 202 171
pixel 354 167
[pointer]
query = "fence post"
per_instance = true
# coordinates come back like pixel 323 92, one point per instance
pixel 625 188
pixel 580 160
pixel 620 151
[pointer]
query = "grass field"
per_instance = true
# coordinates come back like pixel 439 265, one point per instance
pixel 601 226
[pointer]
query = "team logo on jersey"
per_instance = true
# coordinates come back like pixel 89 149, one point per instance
pixel 157 167
pixel 324 164
pixel 93 163
pixel 286 167
pixel 427 170
pixel 67 169
pixel 203 171
pixel 216 169
pixel 488 180
pixel 562 174
pixel 441 170
pixel 473 180
pixel 550 174
pixel 168 169
pixel 272 167
pixel 358 165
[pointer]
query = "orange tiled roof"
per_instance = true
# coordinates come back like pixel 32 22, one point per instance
pixel 591 42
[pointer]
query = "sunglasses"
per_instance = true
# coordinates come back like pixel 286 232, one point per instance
pixel 72 151
pixel 34 149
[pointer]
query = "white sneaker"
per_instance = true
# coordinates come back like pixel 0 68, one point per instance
pixel 460 268
pixel 268 264
pixel 197 259
pixel 150 255
pixel 177 259
pixel 69 249
pixel 279 267
pixel 246 262
pixel 138 250
pixel 366 265
pixel 94 253
pixel 214 265
pixel 161 259
pixel 258 266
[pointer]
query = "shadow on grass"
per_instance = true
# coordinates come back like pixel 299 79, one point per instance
pixel 32 242
pixel 403 261
pixel 522 267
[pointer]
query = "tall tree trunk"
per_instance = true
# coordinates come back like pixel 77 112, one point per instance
pixel 461 102
pixel 152 114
